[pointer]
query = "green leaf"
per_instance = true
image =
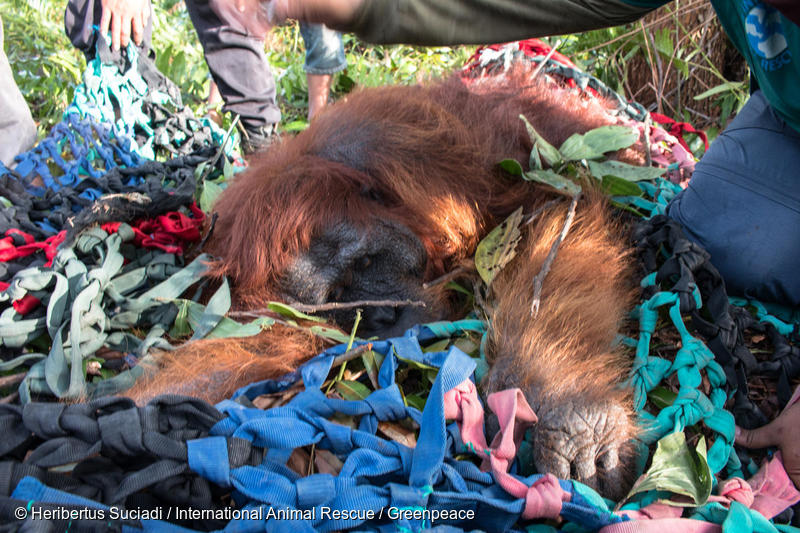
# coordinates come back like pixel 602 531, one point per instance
pixel 372 364
pixel 468 346
pixel 498 247
pixel 661 397
pixel 415 400
pixel 209 195
pixel 190 314
pixel 549 154
pixel 228 327
pixel 329 333
pixel 181 327
pixel 511 166
pixel 677 469
pixel 198 171
pixel 437 346
pixel 721 88
pixel 295 125
pixel 453 286
pixel 227 168
pixel 290 312
pixel 557 181
pixel 594 143
pixel 630 209
pixel 614 186
pixel 345 83
pixel 351 390
pixel 663 42
pixel 624 170
pixel 417 364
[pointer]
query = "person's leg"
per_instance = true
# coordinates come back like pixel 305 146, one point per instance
pixel 319 88
pixel 214 99
pixel 240 69
pixel 17 129
pixel 324 57
pixel 743 205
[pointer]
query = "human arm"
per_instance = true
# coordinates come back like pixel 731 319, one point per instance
pixel 445 22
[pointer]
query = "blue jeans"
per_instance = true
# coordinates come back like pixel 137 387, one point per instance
pixel 324 50
pixel 743 205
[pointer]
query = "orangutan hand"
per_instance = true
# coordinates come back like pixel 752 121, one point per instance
pixel 784 433
pixel 127 19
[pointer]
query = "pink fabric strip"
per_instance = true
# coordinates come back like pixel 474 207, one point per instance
pixel 769 492
pixel 544 498
pixel 664 525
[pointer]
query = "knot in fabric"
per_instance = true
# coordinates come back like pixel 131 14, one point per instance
pixel 387 403
pixel 121 433
pixel 462 404
pixel 690 359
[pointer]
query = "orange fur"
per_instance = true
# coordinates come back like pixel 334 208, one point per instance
pixel 563 358
pixel 426 157
pixel 213 370
pixel 584 299
pixel 429 152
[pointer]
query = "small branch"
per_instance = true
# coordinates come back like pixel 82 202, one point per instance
pixel 538 281
pixel 340 376
pixel 648 123
pixel 540 66
pixel 349 355
pixel 467 266
pixel 330 306
pixel 533 216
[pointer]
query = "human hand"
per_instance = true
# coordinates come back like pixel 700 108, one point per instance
pixel 784 433
pixel 332 13
pixel 127 18
pixel 257 16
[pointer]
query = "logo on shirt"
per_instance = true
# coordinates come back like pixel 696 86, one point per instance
pixel 766 37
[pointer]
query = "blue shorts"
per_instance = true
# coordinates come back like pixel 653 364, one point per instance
pixel 743 205
pixel 324 50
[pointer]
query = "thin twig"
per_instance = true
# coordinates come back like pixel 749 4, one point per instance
pixel 533 216
pixel 349 355
pixel 540 66
pixel 538 281
pixel 648 123
pixel 352 339
pixel 467 266
pixel 331 306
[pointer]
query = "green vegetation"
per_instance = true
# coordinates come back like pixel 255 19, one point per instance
pixel 671 52
pixel 676 61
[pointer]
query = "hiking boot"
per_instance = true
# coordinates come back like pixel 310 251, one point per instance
pixel 254 140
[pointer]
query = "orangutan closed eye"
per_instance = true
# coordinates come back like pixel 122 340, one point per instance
pixel 396 186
